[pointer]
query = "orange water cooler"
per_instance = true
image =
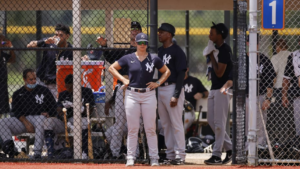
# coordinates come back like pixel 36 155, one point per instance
pixel 90 74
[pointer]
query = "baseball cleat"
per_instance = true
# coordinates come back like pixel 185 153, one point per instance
pixel 214 160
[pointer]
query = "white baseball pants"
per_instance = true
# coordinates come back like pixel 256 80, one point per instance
pixel 137 104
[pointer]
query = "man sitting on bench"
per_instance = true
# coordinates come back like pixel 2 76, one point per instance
pixel 55 125
pixel 31 105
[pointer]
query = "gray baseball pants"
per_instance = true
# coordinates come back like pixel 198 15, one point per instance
pixel 171 121
pixel 136 105
pixel 217 113
pixel 260 134
pixel 12 126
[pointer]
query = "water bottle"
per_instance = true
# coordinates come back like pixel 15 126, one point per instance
pixel 56 40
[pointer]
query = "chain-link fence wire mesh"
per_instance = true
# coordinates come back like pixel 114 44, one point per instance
pixel 112 22
pixel 281 90
pixel 241 81
pixel 34 24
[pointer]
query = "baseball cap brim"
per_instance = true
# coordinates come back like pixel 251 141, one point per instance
pixel 142 40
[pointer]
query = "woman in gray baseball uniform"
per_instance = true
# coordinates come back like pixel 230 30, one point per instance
pixel 140 96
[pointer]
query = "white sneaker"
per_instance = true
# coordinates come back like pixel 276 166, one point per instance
pixel 154 162
pixel 130 163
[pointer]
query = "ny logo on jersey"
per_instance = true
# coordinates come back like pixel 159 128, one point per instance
pixel 260 69
pixel 166 59
pixel 188 88
pixel 40 99
pixel 149 67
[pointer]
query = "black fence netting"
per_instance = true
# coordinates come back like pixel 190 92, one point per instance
pixel 43 43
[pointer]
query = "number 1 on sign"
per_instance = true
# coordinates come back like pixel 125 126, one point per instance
pixel 273 5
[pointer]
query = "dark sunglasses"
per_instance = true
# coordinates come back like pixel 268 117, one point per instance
pixel 135 29
pixel 142 43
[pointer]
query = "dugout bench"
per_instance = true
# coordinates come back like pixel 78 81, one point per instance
pixel 27 136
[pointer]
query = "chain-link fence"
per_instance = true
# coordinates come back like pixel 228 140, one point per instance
pixel 50 42
pixel 278 91
pixel 86 43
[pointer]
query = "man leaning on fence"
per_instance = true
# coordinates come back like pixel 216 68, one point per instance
pixel 46 71
pixel 31 105
pixel 55 125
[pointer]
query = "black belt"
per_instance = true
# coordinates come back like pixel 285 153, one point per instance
pixel 139 90
pixel 167 84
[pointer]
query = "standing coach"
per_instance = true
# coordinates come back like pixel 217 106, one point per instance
pixel 171 95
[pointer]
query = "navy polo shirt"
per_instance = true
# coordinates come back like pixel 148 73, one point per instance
pixel 140 73
pixel 174 58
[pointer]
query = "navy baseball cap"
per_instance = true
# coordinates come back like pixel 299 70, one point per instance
pixel 135 24
pixel 221 28
pixel 167 27
pixel 141 37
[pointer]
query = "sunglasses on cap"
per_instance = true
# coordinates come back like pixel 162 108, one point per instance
pixel 142 43
pixel 135 29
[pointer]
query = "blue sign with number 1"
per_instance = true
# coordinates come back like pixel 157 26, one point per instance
pixel 273 14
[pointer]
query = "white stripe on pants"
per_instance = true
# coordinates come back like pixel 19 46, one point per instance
pixel 217 113
pixel 137 104
pixel 171 120
pixel 260 134
pixel 12 126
